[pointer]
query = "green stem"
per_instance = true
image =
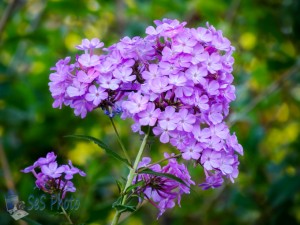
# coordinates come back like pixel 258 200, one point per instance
pixel 131 176
pixel 66 215
pixel 119 140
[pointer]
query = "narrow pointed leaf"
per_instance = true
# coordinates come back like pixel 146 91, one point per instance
pixel 124 208
pixel 167 175
pixel 103 146
pixel 131 187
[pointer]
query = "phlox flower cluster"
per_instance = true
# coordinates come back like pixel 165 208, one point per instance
pixel 163 192
pixel 52 178
pixel 176 80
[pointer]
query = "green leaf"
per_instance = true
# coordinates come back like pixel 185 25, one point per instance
pixel 103 146
pixel 120 186
pixel 133 186
pixel 167 175
pixel 124 208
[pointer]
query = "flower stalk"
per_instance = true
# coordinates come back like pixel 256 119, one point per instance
pixel 66 214
pixel 131 175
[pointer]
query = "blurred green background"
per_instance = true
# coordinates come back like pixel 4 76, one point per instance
pixel 34 34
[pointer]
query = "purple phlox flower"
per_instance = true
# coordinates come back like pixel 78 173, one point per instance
pixel 144 162
pixel 77 89
pixel 50 157
pixel 105 66
pixel 185 120
pixel 184 42
pixel 184 91
pixel 88 60
pixel 220 130
pixel 227 63
pixel 213 63
pixel 215 114
pixel 220 42
pixel 199 55
pixel 52 170
pixel 215 142
pixel 107 82
pixel 192 151
pixel 66 186
pixel 30 168
pixel 202 102
pixel 229 92
pixel 164 205
pixel 62 70
pixel 202 34
pixel 233 143
pixel 150 115
pixel 202 136
pixel 150 30
pixel 212 181
pixel 88 77
pixel 168 54
pixel 45 183
pixel 226 163
pixel 212 88
pixel 81 107
pixel 90 44
pixel 169 28
pixel 164 130
pixel 180 139
pixel 70 171
pixel 162 191
pixel 96 95
pixel 115 59
pixel 210 159
pixel 235 171
pixel 167 68
pixel 169 118
pixel 178 79
pixel 124 74
pixel 160 85
pixel 196 74
pixel 152 73
pixel 180 171
pixel 183 60
pixel 136 103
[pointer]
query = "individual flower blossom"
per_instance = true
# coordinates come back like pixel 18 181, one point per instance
pixel 149 116
pixel 52 170
pixel 136 103
pixel 210 159
pixel 90 44
pixel 88 61
pixel 185 120
pixel 192 151
pixel 213 181
pixel 96 95
pixel 108 82
pixel 196 74
pixel 77 89
pixel 88 77
pixel 70 171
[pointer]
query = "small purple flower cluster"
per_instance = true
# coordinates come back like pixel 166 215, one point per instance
pixel 162 192
pixel 176 80
pixel 53 179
